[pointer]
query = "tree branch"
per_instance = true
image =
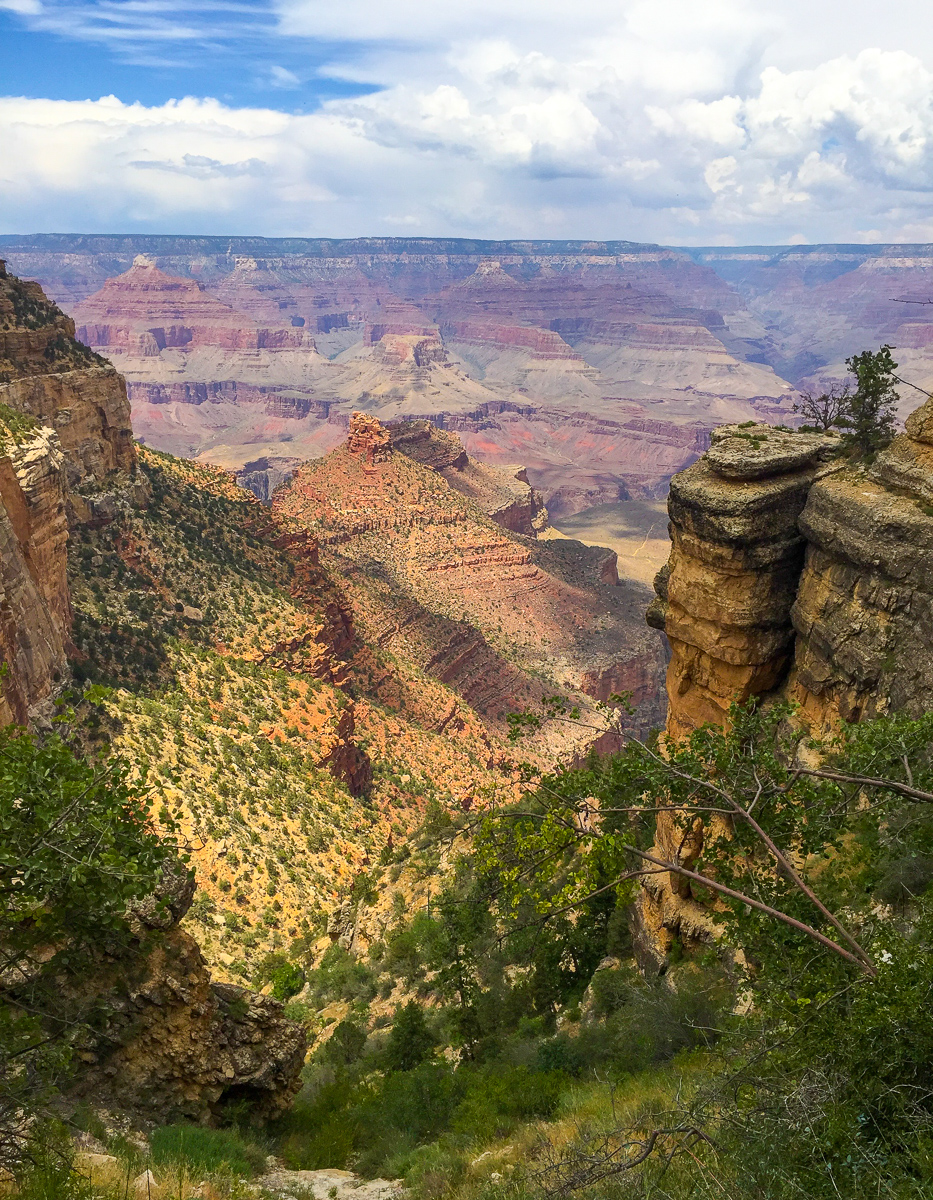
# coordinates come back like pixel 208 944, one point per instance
pixel 866 965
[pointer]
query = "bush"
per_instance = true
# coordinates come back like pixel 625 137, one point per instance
pixel 870 418
pixel 207 1150
pixel 75 851
pixel 340 976
pixel 410 1041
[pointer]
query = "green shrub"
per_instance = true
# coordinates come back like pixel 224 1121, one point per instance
pixel 410 1041
pixel 339 976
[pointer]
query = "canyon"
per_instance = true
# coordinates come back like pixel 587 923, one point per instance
pixel 601 367
pixel 323 659
pixel 311 675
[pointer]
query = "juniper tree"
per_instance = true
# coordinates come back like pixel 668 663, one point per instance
pixel 870 419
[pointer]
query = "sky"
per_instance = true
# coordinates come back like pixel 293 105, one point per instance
pixel 684 122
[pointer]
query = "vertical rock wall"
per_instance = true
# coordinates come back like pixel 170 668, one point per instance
pixel 794 574
pixel 725 597
pixel 71 459
pixel 35 611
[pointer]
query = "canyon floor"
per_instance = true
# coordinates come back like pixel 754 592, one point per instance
pixel 635 529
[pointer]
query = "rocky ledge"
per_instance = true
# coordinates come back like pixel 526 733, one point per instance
pixel 169 1043
pixel 724 600
pixel 794 574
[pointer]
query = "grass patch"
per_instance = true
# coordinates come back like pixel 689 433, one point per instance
pixel 207 1150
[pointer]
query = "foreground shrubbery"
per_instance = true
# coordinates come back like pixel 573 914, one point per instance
pixel 802 1068
pixel 824 1088
pixel 75 851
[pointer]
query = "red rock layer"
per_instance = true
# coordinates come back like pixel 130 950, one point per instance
pixel 434 576
pixel 144 311
pixel 543 343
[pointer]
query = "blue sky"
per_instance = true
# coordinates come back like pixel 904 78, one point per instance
pixel 154 52
pixel 679 121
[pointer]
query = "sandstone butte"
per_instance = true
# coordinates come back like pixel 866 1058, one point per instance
pixel 792 575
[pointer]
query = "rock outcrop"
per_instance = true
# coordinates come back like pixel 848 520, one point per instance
pixel 170 1044
pixel 798 575
pixel 725 597
pixel 503 493
pixel 35 335
pixel 35 611
pixel 66 455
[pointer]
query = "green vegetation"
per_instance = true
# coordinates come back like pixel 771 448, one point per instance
pixel 15 427
pixel 802 1067
pixel 76 850
pixel 206 1151
pixel 870 419
pixel 865 413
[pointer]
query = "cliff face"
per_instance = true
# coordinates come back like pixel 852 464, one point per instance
pixel 168 1043
pixel 793 575
pixel 66 454
pixel 726 594
pixel 35 611
pixel 864 605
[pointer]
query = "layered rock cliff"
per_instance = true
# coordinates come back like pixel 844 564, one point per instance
pixel 725 597
pixel 65 445
pixel 794 574
pixel 67 456
pixel 35 611
pixel 600 366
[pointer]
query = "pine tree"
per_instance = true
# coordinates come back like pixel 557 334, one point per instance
pixel 410 1041
pixel 871 419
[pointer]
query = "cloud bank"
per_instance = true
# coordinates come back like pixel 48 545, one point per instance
pixel 664 121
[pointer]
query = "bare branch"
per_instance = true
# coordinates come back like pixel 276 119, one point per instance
pixel 866 965
pixel 890 785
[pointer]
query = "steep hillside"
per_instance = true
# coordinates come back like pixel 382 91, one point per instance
pixel 433 577
pixel 267 724
pixel 149 1044
pixel 312 676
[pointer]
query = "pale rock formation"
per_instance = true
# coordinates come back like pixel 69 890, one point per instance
pixel 726 594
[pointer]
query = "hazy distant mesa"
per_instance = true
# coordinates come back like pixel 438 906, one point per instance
pixel 600 366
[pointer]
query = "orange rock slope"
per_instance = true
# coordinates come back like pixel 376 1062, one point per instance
pixel 433 575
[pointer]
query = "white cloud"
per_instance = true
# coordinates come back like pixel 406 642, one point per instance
pixel 650 119
pixel 23 7
pixel 281 77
